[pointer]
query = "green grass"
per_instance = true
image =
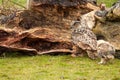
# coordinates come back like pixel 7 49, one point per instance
pixel 62 67
pixel 10 3
pixel 17 1
pixel 107 2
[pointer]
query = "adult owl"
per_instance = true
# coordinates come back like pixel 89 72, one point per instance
pixel 83 38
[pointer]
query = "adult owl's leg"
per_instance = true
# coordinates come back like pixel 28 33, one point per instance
pixel 81 53
pixel 75 51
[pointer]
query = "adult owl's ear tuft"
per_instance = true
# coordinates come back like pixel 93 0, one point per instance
pixel 75 24
pixel 72 24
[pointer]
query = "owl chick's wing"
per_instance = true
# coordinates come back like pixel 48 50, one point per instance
pixel 105 49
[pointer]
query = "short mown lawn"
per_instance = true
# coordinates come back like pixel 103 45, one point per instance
pixel 60 67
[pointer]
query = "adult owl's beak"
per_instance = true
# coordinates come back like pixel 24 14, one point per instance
pixel 71 27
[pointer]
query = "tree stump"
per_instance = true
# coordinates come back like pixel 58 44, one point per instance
pixel 45 28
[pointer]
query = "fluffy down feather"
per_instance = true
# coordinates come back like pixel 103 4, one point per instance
pixel 105 51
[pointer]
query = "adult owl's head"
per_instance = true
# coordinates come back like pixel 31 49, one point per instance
pixel 75 24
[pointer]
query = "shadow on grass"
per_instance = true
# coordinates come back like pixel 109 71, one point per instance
pixel 26 54
pixel 15 54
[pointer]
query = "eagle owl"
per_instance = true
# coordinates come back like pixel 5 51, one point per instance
pixel 84 38
pixel 105 51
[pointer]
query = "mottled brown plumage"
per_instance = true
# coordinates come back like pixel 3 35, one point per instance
pixel 84 38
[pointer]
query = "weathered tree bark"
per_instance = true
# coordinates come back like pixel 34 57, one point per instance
pixel 45 28
pixel 36 41
pixel 110 28
pixel 29 4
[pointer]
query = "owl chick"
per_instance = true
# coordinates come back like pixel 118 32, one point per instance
pixel 105 51
pixel 84 39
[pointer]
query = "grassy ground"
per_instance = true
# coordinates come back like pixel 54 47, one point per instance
pixel 107 2
pixel 63 67
pixel 17 1
pixel 10 3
